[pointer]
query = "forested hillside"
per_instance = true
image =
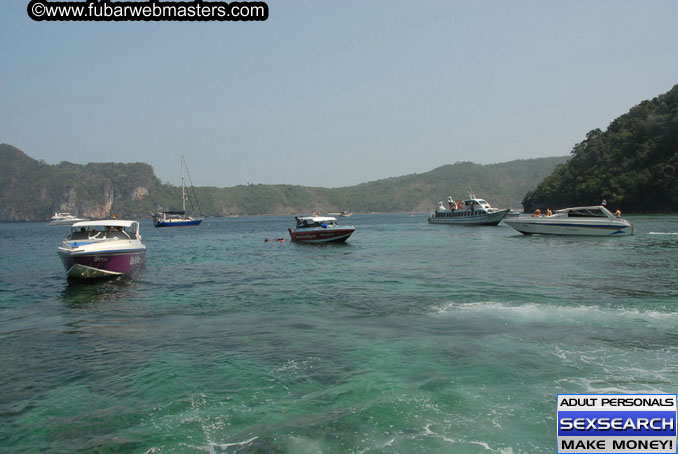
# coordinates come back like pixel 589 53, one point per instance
pixel 32 190
pixel 633 164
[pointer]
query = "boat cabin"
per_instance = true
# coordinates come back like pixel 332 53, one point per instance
pixel 104 230
pixel 586 212
pixel 315 221
pixel 479 205
pixel 167 215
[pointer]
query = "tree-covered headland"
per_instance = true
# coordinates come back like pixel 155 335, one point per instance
pixel 633 164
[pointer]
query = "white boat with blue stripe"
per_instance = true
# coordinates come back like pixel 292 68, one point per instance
pixel 585 221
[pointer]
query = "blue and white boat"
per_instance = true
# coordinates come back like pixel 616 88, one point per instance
pixel 588 221
pixel 174 219
pixel 177 218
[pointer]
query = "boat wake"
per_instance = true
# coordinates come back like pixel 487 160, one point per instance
pixel 533 311
pixel 429 433
pixel 663 233
pixel 213 447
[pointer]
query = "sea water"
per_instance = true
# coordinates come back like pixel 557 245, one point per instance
pixel 408 338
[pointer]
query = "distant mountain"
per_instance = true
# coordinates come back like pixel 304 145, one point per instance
pixel 31 190
pixel 633 164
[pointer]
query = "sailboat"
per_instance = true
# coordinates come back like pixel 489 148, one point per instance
pixel 177 218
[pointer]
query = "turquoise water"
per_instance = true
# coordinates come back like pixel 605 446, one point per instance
pixel 408 338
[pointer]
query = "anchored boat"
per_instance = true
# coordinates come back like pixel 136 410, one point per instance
pixel 106 248
pixel 64 219
pixel 590 221
pixel 320 229
pixel 177 218
pixel 472 211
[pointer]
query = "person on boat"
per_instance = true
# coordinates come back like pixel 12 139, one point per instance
pixel 473 206
pixel 549 212
pixel 536 213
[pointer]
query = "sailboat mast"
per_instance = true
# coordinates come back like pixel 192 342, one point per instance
pixel 183 195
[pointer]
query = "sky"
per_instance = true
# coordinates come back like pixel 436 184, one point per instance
pixel 331 93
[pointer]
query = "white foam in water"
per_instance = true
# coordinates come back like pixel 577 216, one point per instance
pixel 663 233
pixel 210 447
pixel 384 445
pixel 240 443
pixel 532 311
pixel 429 432
pixel 591 385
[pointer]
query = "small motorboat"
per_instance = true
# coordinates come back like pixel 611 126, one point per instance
pixel 345 214
pixel 105 248
pixel 472 211
pixel 590 221
pixel 64 219
pixel 320 229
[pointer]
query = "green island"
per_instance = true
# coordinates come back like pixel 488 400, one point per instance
pixel 633 164
pixel 31 190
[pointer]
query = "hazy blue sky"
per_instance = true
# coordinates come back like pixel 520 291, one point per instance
pixel 331 93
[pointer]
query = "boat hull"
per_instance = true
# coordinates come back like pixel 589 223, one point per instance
pixel 539 227
pixel 179 223
pixel 472 219
pixel 329 235
pixel 102 264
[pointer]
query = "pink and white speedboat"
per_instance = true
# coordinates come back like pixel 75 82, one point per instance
pixel 320 229
pixel 106 248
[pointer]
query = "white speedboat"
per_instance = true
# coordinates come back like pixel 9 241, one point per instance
pixel 102 249
pixel 591 221
pixel 64 219
pixel 472 211
pixel 345 214
pixel 320 229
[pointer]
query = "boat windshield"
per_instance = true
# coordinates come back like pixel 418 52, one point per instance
pixel 102 233
pixel 307 223
pixel 593 212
